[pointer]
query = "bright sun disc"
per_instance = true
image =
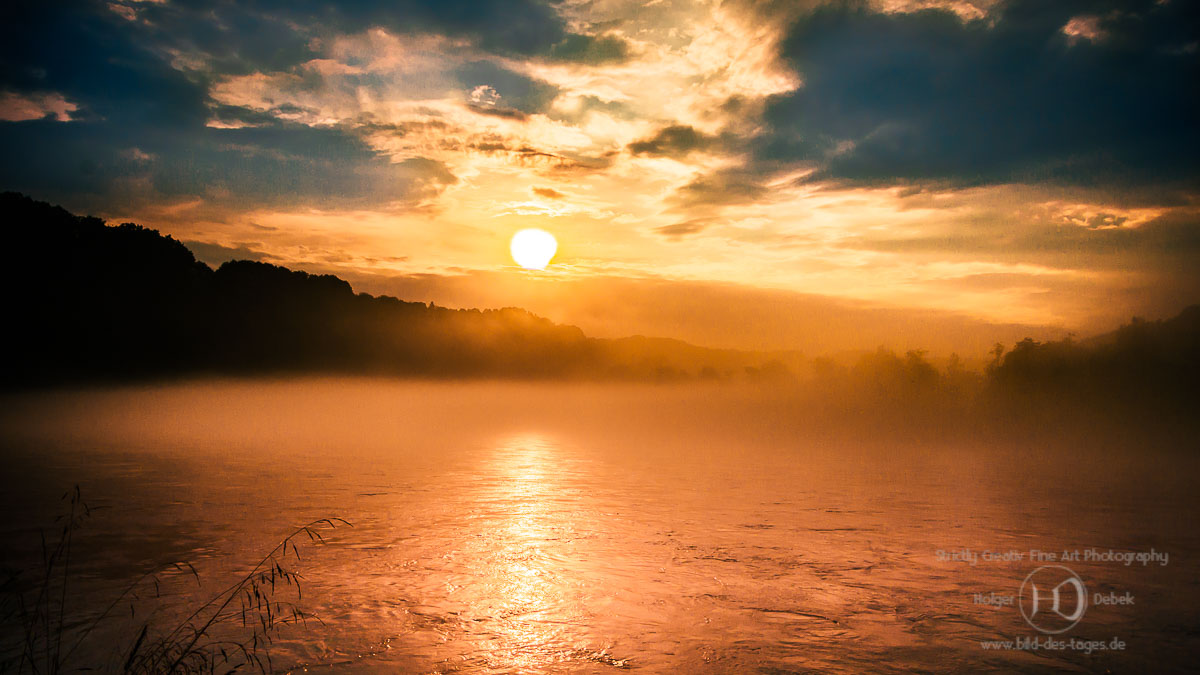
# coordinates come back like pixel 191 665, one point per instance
pixel 533 248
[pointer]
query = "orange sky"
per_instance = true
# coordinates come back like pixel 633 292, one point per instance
pixel 661 154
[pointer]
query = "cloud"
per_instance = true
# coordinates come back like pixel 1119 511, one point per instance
pixel 224 116
pixel 548 193
pixel 1014 96
pixel 214 255
pixel 591 49
pixel 512 90
pixel 507 113
pixel 677 140
pixel 729 186
pixel 685 228
pixel 239 38
pixel 21 107
pixel 1063 236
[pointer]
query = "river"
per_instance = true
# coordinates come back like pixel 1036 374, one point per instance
pixel 504 528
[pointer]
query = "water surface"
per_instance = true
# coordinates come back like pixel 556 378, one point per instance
pixel 573 528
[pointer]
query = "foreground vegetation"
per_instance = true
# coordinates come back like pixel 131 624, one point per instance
pixel 230 631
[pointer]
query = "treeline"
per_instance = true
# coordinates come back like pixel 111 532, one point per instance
pixel 1142 376
pixel 1141 363
pixel 1149 368
pixel 87 301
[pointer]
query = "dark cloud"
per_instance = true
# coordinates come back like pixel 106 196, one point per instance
pixel 553 162
pixel 591 49
pixel 720 188
pixel 548 193
pixel 677 140
pixel 232 38
pixel 926 96
pixel 429 170
pixel 509 26
pixel 238 116
pixel 276 34
pixel 498 111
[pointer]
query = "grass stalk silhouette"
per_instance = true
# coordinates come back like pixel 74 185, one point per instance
pixel 230 631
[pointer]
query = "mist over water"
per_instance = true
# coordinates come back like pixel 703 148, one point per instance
pixel 504 527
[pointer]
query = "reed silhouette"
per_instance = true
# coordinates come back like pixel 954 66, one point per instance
pixel 230 631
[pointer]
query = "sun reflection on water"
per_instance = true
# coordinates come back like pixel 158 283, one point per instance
pixel 528 591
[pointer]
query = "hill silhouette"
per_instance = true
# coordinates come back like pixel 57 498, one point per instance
pixel 89 301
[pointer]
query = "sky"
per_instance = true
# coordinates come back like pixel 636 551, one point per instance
pixel 749 173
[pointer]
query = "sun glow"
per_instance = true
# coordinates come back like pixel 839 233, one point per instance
pixel 533 248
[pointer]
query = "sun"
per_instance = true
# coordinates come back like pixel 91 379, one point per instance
pixel 533 248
